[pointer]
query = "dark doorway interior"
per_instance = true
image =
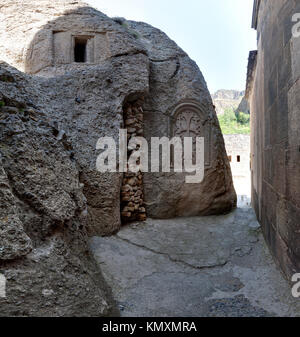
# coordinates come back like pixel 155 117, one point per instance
pixel 80 50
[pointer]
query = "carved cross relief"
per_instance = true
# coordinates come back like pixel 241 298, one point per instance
pixel 187 121
pixel 188 124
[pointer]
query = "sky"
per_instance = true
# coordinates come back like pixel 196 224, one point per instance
pixel 216 34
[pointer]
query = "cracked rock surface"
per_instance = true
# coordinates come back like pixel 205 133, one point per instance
pixel 175 79
pixel 126 62
pixel 201 266
pixel 44 256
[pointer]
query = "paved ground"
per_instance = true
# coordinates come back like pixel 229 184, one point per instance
pixel 203 266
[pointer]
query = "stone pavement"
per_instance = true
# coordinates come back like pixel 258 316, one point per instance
pixel 201 266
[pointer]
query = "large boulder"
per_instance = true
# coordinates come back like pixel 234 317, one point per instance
pixel 44 255
pixel 84 99
pixel 179 104
pixel 125 62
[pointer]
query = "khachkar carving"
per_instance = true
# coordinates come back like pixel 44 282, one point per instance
pixel 188 121
pixel 187 124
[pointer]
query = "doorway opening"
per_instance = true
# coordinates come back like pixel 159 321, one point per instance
pixel 80 49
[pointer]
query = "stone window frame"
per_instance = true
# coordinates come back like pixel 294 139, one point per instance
pixel 90 58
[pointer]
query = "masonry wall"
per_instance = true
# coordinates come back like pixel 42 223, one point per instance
pixel 132 192
pixel 238 151
pixel 275 122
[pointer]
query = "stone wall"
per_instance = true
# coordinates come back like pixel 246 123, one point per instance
pixel 238 151
pixel 132 193
pixel 275 120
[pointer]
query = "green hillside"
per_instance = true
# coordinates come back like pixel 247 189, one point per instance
pixel 234 123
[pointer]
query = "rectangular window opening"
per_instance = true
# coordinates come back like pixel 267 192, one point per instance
pixel 80 49
pixel 238 159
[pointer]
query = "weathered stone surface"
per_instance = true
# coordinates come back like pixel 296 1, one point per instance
pixel 243 106
pixel 125 61
pixel 103 90
pixel 43 251
pixel 132 195
pixel 176 88
pixel 84 99
pixel 14 242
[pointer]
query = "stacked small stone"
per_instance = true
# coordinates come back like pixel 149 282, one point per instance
pixel 132 195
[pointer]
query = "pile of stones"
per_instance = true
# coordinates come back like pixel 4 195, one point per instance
pixel 132 194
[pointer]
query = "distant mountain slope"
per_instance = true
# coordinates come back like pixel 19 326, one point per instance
pixel 224 99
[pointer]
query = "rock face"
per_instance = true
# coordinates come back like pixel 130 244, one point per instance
pixel 43 241
pixel 179 104
pixel 243 106
pixel 124 62
pixel 85 99
pixel 224 99
pixel 89 77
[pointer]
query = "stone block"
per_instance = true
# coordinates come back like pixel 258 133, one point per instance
pixel 294 114
pixel 285 78
pixel 281 127
pixel 295 54
pixel 271 88
pixel 293 174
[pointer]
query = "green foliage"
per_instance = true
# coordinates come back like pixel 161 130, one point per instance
pixel 2 103
pixel 234 123
pixel 243 118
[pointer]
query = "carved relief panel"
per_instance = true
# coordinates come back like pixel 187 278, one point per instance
pixel 187 124
pixel 188 120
